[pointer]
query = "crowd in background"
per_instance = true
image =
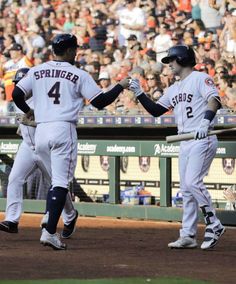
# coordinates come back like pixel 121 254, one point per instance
pixel 118 38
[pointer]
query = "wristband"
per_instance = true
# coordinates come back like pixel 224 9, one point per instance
pixel 209 114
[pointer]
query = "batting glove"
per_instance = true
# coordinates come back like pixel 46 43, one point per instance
pixel 202 130
pixel 135 87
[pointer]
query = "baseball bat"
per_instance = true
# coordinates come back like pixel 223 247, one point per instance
pixel 189 136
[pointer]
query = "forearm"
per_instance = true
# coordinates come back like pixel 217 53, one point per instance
pixel 19 99
pixel 213 105
pixel 154 109
pixel 108 97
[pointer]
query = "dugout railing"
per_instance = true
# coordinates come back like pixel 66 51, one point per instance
pixel 117 136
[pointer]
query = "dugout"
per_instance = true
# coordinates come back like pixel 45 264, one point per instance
pixel 132 137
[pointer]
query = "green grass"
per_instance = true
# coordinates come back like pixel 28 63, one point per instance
pixel 109 281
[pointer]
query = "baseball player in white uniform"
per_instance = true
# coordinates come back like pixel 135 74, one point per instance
pixel 26 161
pixel 194 100
pixel 59 89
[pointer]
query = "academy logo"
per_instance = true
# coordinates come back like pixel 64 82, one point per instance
pixel 87 148
pixel 8 148
pixel 157 149
pixel 166 150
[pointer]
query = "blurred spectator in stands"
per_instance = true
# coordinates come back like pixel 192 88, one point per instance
pixel 166 77
pixel 104 80
pixel 188 37
pixel 230 98
pixel 138 73
pixel 199 30
pixel 196 11
pixel 97 32
pixel 125 67
pixel 8 69
pixel 154 86
pixel 214 53
pixel 133 47
pixel 1 39
pixel 162 42
pixel 32 12
pixel 128 103
pixel 80 30
pixel 47 8
pixel 107 59
pixel 3 102
pixel 211 13
pixel 210 65
pixel 111 25
pixel 228 34
pixel 68 24
pixel 131 20
pixel 8 41
pixel 36 40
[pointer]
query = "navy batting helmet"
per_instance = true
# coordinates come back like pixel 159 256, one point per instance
pixel 183 54
pixel 62 42
pixel 20 73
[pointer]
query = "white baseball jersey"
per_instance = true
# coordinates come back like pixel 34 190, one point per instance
pixel 59 89
pixel 189 99
pixel 132 17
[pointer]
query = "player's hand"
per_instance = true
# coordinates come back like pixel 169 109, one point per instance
pixel 27 118
pixel 30 114
pixel 125 82
pixel 202 130
pixel 135 87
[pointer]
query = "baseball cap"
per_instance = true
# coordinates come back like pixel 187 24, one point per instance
pixel 104 76
pixel 16 46
pixel 132 37
pixel 151 54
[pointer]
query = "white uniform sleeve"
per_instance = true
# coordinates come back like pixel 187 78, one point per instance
pixel 165 100
pixel 87 87
pixel 25 84
pixel 207 87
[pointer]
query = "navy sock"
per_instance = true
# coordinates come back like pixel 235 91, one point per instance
pixel 48 200
pixel 56 205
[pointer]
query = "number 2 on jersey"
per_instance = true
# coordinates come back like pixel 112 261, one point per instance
pixel 189 111
pixel 54 93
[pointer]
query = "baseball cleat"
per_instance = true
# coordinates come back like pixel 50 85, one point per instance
pixel 52 240
pixel 68 230
pixel 183 243
pixel 9 227
pixel 212 236
pixel 44 220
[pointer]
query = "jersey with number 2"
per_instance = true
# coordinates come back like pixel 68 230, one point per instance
pixel 188 99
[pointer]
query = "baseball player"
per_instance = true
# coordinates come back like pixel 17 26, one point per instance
pixel 26 161
pixel 59 89
pixel 194 100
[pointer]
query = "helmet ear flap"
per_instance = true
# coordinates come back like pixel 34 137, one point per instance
pixel 183 61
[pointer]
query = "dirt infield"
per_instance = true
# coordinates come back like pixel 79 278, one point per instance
pixel 110 248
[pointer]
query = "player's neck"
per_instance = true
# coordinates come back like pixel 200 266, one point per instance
pixel 184 73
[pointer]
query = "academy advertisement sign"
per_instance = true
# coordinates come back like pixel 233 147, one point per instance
pixel 143 148
pixel 9 147
pixel 166 150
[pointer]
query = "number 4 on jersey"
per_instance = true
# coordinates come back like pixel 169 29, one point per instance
pixel 54 93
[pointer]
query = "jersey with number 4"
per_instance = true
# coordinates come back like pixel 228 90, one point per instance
pixel 188 99
pixel 59 90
